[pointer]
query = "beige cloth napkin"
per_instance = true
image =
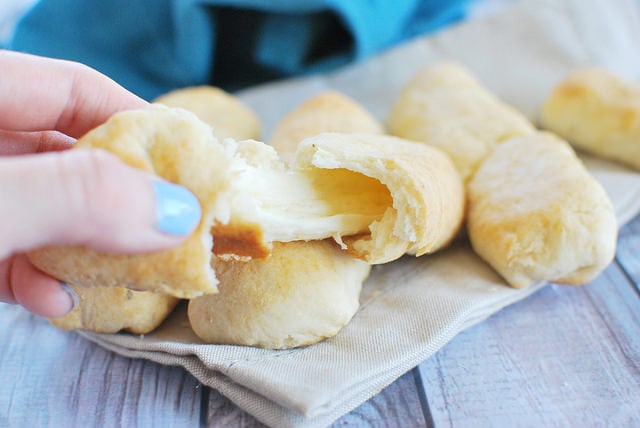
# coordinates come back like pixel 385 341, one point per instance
pixel 412 307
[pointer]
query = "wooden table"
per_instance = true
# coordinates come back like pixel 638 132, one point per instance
pixel 566 356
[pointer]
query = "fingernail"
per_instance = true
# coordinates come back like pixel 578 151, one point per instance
pixel 177 209
pixel 75 300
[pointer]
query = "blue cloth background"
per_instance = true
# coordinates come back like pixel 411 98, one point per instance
pixel 153 46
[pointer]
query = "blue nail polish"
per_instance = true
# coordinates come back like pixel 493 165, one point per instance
pixel 177 209
pixel 75 300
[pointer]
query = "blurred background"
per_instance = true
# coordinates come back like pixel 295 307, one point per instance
pixel 154 47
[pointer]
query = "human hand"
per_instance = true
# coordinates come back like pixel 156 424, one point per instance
pixel 86 197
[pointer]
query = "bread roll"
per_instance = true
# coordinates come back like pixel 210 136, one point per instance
pixel 445 106
pixel 328 111
pixel 303 293
pixel 426 204
pixel 536 214
pixel 112 309
pixel 597 112
pixel 229 117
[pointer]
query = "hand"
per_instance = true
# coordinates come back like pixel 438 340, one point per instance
pixel 50 196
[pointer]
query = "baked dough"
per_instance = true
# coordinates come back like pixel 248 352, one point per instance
pixel 387 195
pixel 427 197
pixel 536 214
pixel 229 117
pixel 598 112
pixel 328 111
pixel 381 195
pixel 112 309
pixel 303 293
pixel 445 106
pixel 177 146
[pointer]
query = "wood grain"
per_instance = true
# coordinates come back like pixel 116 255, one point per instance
pixel 628 254
pixel 56 378
pixel 398 405
pixel 566 356
pixel 223 413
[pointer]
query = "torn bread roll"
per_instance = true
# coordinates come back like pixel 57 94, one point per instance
pixel 175 145
pixel 113 309
pixel 445 106
pixel 304 293
pixel 389 196
pixel 328 111
pixel 424 195
pixel 227 114
pixel 598 112
pixel 536 214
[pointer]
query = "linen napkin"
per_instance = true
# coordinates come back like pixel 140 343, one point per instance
pixel 414 306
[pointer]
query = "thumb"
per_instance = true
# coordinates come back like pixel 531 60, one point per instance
pixel 90 198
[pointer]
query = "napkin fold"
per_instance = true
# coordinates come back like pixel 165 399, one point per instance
pixel 414 306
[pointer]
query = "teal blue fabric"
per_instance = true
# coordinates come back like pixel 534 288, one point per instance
pixel 153 46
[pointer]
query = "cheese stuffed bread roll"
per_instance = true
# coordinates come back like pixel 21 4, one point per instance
pixel 175 145
pixel 445 106
pixel 381 192
pixel 328 111
pixel 425 204
pixel 598 112
pixel 536 214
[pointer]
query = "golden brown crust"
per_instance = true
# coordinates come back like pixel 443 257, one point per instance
pixel 112 309
pixel 229 117
pixel 239 241
pixel 598 112
pixel 536 214
pixel 304 292
pixel 445 106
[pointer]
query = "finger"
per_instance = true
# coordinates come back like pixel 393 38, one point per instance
pixel 20 143
pixel 6 292
pixel 37 292
pixel 90 198
pixel 38 94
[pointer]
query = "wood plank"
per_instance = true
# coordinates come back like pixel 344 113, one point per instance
pixel 56 378
pixel 223 413
pixel 628 254
pixel 567 356
pixel 396 405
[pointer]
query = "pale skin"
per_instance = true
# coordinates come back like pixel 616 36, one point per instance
pixel 52 196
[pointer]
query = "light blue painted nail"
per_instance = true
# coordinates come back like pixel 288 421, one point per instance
pixel 177 209
pixel 75 300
